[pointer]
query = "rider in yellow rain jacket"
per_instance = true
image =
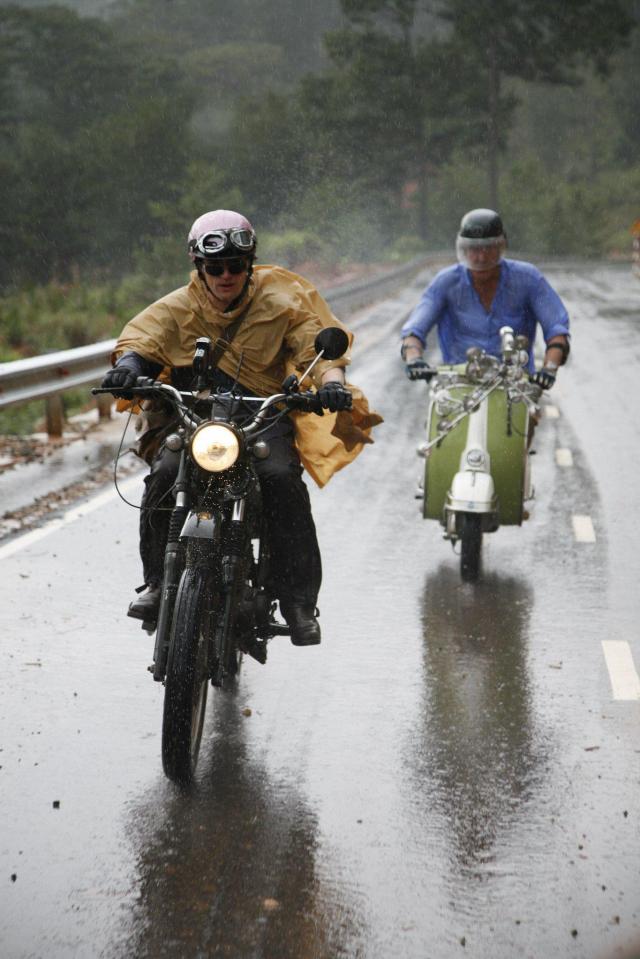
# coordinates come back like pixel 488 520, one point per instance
pixel 279 316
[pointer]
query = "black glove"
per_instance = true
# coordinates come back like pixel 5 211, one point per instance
pixel 544 378
pixel 334 396
pixel 419 369
pixel 124 374
pixel 120 377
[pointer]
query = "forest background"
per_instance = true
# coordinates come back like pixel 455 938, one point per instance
pixel 349 131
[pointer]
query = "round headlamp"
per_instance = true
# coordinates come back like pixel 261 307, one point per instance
pixel 215 447
pixel 475 459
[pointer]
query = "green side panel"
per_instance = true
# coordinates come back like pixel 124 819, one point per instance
pixel 508 457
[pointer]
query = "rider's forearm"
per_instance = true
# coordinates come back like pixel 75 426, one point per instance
pixel 411 348
pixel 557 351
pixel 334 375
pixel 138 364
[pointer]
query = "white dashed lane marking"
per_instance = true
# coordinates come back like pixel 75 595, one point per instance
pixel 583 530
pixel 625 682
pixel 564 457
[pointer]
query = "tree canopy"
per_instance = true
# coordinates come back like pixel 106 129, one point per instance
pixel 350 128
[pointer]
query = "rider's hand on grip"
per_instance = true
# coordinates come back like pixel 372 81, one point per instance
pixel 544 378
pixel 306 402
pixel 120 378
pixel 334 396
pixel 419 369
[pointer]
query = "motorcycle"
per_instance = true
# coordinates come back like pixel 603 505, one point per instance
pixel 215 604
pixel 479 425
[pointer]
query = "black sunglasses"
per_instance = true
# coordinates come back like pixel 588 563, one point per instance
pixel 235 265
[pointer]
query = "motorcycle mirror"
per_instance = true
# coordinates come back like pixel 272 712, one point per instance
pixel 332 342
pixel 522 342
pixel 474 353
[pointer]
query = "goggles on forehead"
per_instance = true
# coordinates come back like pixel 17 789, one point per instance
pixel 217 241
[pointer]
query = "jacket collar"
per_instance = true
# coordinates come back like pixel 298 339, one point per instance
pixel 207 305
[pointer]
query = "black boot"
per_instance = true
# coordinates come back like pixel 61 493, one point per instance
pixel 146 606
pixel 301 620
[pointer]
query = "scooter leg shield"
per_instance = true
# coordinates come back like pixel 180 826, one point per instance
pixel 473 492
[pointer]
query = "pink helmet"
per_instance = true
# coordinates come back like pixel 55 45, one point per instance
pixel 221 233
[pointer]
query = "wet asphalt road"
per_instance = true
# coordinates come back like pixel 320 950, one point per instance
pixel 449 774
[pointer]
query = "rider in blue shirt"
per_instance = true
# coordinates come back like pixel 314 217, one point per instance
pixel 470 302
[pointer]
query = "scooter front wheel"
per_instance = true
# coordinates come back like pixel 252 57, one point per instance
pixel 470 534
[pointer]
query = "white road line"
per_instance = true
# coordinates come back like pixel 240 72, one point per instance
pixel 35 535
pixel 583 530
pixel 564 457
pixel 551 411
pixel 625 681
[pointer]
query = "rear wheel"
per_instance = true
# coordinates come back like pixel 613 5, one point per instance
pixel 470 533
pixel 186 683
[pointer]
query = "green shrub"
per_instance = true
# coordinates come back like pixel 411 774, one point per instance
pixel 290 247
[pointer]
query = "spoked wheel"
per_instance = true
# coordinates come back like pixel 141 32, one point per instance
pixel 470 533
pixel 186 683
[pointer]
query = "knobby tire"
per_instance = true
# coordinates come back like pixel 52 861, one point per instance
pixel 186 681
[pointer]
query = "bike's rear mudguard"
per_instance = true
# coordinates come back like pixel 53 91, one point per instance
pixel 507 432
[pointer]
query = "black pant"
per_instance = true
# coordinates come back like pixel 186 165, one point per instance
pixel 296 570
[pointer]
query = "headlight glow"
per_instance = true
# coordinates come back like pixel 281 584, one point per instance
pixel 214 447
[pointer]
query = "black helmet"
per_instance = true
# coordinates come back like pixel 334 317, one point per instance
pixel 481 240
pixel 481 225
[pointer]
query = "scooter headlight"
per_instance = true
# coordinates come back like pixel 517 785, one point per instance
pixel 215 447
pixel 476 459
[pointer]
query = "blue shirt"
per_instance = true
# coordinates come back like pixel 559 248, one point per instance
pixel 523 299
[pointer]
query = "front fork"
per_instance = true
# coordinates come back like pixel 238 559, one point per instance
pixel 233 557
pixel 173 566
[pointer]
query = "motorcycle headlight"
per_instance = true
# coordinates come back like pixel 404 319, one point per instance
pixel 215 447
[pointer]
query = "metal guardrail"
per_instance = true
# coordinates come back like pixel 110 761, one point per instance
pixel 48 377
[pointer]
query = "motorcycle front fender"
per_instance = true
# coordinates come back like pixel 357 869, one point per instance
pixel 201 536
pixel 207 526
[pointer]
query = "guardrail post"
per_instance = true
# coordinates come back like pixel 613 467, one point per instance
pixel 104 402
pixel 55 415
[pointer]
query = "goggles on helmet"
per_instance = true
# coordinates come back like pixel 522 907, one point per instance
pixel 214 243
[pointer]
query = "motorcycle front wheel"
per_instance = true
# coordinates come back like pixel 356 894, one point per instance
pixel 470 534
pixel 186 683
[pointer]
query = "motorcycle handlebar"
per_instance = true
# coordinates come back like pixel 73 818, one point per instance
pixel 426 375
pixel 306 402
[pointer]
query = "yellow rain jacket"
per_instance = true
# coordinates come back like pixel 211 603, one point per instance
pixel 275 338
